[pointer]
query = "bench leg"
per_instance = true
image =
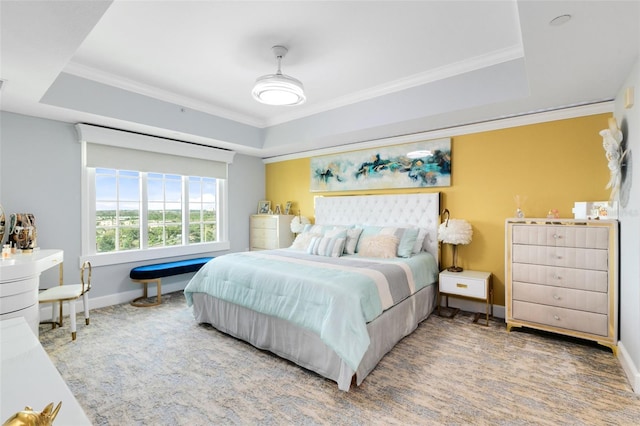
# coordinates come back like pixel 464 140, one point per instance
pixel 136 301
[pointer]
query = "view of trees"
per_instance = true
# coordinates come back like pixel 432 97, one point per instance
pixel 165 229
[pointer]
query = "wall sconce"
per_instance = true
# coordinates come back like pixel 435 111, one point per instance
pixel 455 232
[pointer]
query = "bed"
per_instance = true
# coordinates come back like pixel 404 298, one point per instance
pixel 299 303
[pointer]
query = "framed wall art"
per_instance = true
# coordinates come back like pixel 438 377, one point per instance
pixel 414 165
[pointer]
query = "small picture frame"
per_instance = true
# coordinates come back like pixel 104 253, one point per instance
pixel 264 206
pixel 287 208
pixel 277 210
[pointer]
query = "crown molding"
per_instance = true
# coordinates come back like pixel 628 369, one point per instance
pixel 505 122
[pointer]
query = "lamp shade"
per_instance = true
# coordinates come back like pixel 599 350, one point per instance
pixel 298 223
pixel 278 89
pixel 455 231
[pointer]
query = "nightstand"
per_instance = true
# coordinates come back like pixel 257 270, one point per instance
pixel 469 284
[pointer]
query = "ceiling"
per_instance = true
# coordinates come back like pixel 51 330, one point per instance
pixel 371 69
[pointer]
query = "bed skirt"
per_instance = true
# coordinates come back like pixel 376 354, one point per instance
pixel 304 347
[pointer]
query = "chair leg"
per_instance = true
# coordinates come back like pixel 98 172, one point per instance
pixel 72 313
pixel 85 303
pixel 53 315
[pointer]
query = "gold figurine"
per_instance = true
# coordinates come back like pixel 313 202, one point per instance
pixel 28 417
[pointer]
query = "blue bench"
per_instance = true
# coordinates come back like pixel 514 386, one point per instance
pixel 154 273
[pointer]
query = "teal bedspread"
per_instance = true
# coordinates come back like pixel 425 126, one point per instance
pixel 333 297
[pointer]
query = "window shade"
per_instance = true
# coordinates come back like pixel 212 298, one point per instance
pixel 121 150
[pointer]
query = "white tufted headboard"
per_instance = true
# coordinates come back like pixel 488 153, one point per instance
pixel 401 210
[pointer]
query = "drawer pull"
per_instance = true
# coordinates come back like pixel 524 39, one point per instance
pixel 556 236
pixel 459 285
pixel 556 317
pixel 556 297
pixel 557 277
pixel 558 257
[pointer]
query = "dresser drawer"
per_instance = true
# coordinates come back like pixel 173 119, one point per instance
pixel 267 222
pixel 594 259
pixel 581 279
pixel 463 286
pixel 562 236
pixel 264 234
pixel 581 300
pixel 563 318
pixel 263 244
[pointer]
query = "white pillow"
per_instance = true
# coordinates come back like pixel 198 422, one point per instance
pixel 326 246
pixel 417 247
pixel 303 240
pixel 382 245
pixel 352 240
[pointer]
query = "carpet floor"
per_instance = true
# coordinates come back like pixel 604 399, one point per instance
pixel 157 366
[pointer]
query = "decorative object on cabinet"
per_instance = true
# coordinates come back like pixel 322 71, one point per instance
pixel 595 210
pixel 298 223
pixel 520 200
pixel 264 207
pixel 612 144
pixel 2 223
pixel 384 167
pixel 270 232
pixel 69 293
pixel 287 208
pixel 562 276
pixel 455 232
pixel 28 417
pixel 277 210
pixel 22 231
pixel 470 284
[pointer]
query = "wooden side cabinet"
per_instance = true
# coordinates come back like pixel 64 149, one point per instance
pixel 268 232
pixel 469 284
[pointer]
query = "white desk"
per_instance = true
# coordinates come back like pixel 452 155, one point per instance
pixel 19 283
pixel 29 378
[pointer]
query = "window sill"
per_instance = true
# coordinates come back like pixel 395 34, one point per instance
pixel 155 254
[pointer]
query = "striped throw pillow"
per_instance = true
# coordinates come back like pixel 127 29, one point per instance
pixel 326 246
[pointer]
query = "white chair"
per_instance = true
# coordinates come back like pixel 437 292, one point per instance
pixel 69 293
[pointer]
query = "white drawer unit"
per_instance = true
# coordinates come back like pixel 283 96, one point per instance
pixel 470 284
pixel 268 232
pixel 562 276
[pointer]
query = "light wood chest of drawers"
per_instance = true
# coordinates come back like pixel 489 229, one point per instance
pixel 562 276
pixel 268 232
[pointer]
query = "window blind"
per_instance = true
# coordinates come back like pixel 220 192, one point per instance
pixel 117 149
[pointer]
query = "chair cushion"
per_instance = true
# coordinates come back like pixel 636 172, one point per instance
pixel 167 269
pixel 61 292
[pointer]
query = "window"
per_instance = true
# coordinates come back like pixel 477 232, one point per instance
pixel 140 204
pixel 128 217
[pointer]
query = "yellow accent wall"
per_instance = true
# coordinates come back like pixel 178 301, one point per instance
pixel 552 164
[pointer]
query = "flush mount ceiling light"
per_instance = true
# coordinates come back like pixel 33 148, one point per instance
pixel 278 88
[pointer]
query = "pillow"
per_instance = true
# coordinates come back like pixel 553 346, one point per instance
pixel 326 246
pixel 406 237
pixel 418 246
pixel 303 240
pixel 353 235
pixel 336 232
pixel 382 245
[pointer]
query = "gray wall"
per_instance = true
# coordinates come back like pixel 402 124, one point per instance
pixel 40 173
pixel 629 121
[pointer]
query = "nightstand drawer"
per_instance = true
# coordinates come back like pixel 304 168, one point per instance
pixel 463 285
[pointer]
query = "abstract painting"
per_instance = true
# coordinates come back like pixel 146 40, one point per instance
pixel 415 165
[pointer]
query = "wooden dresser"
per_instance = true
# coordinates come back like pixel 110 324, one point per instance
pixel 270 231
pixel 561 275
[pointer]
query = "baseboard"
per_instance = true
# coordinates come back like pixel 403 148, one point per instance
pixel 112 299
pixel 630 369
pixel 473 306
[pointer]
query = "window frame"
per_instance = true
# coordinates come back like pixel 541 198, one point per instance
pixel 88 221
